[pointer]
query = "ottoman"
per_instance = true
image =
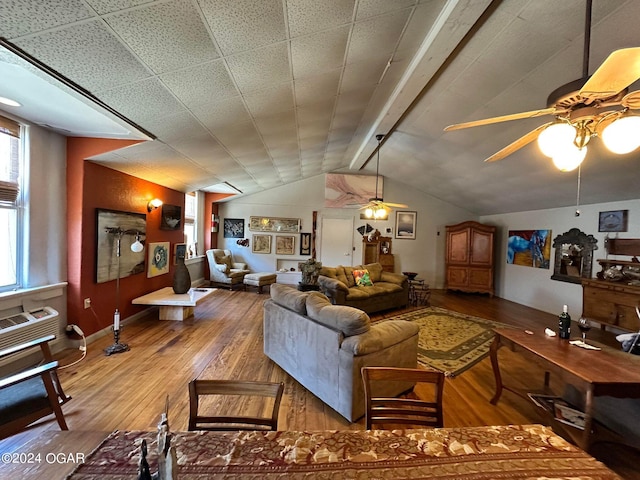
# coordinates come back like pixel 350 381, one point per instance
pixel 259 280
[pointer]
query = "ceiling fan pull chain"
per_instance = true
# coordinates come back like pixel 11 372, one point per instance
pixel 578 194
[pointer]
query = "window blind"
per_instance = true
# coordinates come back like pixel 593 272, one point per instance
pixel 10 171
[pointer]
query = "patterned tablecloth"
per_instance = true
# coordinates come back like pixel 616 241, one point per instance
pixel 494 452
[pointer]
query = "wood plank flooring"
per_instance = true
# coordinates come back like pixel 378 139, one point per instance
pixel 224 340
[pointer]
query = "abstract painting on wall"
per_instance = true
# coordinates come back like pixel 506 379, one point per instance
pixel 530 248
pixel 158 259
pixel 107 244
pixel 350 191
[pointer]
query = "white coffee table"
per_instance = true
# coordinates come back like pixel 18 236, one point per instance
pixel 174 306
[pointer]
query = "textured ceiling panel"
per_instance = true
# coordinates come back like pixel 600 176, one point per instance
pixel 22 17
pixel 315 54
pixel 241 25
pixel 87 54
pixel 165 36
pixel 269 101
pixel 261 68
pixel 310 16
pixel 311 89
pixel 376 36
pixel 202 84
pixel 372 8
pixel 221 113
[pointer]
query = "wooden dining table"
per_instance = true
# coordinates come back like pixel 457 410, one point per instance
pixel 488 452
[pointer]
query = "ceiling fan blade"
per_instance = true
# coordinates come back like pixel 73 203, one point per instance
pixel 397 205
pixel 518 144
pixel 631 100
pixel 616 73
pixel 503 118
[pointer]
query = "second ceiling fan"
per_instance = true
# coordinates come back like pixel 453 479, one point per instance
pixel 595 106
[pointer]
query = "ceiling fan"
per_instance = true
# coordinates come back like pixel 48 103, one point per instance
pixel 596 106
pixel 377 208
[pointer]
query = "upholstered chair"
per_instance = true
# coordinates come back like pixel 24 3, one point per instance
pixel 223 270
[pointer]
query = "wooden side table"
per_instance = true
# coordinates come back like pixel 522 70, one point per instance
pixel 419 292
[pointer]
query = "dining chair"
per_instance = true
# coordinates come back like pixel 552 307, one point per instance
pixel 380 409
pixel 33 393
pixel 233 391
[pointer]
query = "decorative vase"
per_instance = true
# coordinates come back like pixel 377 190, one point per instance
pixel 181 278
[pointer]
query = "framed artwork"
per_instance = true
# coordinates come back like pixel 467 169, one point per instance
pixel 171 217
pixel 179 251
pixel 261 244
pixel 158 259
pixel 305 244
pixel 406 225
pixel 350 191
pixel 613 221
pixel 233 228
pixel 131 263
pixel 285 244
pixel 274 224
pixel 529 248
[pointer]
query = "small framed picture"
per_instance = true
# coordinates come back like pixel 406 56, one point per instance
pixel 406 225
pixel 285 244
pixel 305 244
pixel 613 221
pixel 261 244
pixel 179 251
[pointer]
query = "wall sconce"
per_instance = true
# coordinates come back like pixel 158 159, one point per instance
pixel 153 204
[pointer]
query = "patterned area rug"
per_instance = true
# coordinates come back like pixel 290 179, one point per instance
pixel 450 341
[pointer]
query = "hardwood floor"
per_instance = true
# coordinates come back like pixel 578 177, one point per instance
pixel 224 340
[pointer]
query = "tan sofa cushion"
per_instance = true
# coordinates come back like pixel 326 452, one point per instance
pixel 350 321
pixel 375 271
pixel 289 297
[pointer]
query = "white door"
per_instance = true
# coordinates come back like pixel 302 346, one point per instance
pixel 336 242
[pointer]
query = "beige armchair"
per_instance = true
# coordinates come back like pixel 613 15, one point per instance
pixel 223 271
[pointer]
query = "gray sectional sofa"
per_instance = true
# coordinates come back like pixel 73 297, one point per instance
pixel 324 346
pixel 389 290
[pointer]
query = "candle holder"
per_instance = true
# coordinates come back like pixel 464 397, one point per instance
pixel 117 347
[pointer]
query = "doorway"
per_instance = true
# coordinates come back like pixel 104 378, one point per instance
pixel 336 242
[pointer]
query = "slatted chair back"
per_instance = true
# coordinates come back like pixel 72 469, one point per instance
pixel 380 409
pixel 270 392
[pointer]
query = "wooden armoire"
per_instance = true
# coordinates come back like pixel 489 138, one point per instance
pixel 469 257
pixel 378 250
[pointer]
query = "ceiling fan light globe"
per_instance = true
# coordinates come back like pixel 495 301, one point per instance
pixel 556 138
pixel 569 158
pixel 380 213
pixel 368 212
pixel 622 135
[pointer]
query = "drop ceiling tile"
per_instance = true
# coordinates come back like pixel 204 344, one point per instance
pixel 23 17
pixel 315 88
pixel 165 36
pixel 257 69
pixel 309 16
pixel 269 101
pixel 372 8
pixel 201 84
pixel 316 112
pixel 140 101
pixel 358 75
pixel 108 6
pixel 422 20
pixel 179 126
pixel 222 113
pixel 241 139
pixel 241 25
pixel 376 37
pixel 88 54
pixel 278 124
pixel 317 53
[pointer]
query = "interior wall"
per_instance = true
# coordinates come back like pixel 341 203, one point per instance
pixel 533 287
pixel 102 187
pixel 424 255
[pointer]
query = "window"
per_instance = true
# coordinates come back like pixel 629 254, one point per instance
pixel 190 214
pixel 10 205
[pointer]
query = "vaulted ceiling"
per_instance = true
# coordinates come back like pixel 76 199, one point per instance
pixel 261 93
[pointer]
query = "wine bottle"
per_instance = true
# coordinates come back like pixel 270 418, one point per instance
pixel 564 323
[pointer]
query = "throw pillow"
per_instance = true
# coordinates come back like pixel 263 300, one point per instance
pixel 226 260
pixel 362 278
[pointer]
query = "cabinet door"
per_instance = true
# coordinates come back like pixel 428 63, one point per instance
pixel 457 277
pixel 480 278
pixel 458 247
pixel 481 248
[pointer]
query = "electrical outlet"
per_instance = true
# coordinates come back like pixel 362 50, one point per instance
pixel 87 303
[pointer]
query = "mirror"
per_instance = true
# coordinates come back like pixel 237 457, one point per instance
pixel 574 256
